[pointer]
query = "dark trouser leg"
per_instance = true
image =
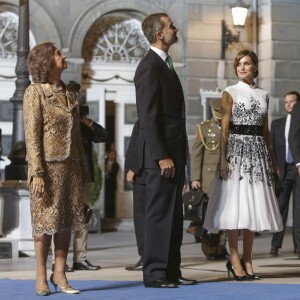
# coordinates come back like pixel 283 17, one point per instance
pixel 283 203
pixel 110 205
pixel 297 214
pixel 80 244
pixel 139 215
pixel 173 269
pixel 160 195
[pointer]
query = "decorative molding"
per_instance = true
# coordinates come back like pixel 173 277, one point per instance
pixel 86 76
pixel 115 39
pixel 8 77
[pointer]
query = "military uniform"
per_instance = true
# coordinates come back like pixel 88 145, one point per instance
pixel 205 153
pixel 204 160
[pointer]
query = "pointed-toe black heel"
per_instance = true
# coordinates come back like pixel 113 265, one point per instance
pixel 236 277
pixel 253 276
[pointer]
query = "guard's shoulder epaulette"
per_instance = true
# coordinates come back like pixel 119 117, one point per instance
pixel 204 122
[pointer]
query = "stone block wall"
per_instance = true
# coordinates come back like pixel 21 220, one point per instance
pixel 279 48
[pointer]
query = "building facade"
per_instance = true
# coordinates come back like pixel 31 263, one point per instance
pixel 103 43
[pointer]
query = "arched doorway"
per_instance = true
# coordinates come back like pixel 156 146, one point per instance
pixel 112 48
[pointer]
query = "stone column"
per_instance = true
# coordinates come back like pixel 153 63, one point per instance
pixel 16 170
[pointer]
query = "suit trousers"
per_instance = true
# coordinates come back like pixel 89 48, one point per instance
pixel 139 215
pixel 289 187
pixel 80 244
pixel 163 226
pixel 296 215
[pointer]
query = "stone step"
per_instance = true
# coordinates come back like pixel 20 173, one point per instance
pixel 9 248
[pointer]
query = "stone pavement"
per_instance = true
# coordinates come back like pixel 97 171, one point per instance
pixel 115 250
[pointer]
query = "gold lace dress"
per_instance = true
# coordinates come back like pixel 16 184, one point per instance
pixel 54 148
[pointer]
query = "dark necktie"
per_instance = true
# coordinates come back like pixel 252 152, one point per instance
pixel 289 156
pixel 169 63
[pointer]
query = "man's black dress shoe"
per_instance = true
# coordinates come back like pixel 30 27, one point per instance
pixel 137 267
pixel 85 265
pixel 224 256
pixel 274 250
pixel 185 281
pixel 67 268
pixel 161 283
pixel 211 257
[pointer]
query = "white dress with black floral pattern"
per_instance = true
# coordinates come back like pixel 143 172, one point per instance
pixel 247 199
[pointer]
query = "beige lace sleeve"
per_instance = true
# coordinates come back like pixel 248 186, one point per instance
pixel 33 126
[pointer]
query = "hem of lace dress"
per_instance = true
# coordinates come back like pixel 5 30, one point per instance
pixel 51 232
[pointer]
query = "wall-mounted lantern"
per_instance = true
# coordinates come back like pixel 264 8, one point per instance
pixel 239 12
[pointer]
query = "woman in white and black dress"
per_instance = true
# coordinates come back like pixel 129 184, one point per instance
pixel 242 196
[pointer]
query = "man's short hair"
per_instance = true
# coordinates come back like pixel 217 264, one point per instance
pixel 151 25
pixel 293 93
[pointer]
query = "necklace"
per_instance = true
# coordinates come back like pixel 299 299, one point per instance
pixel 57 89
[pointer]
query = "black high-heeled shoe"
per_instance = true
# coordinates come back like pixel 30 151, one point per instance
pixel 236 277
pixel 253 276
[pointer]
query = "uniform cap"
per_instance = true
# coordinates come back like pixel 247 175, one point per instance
pixel 215 105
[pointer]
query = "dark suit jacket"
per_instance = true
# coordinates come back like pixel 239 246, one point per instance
pixel 131 161
pixel 278 141
pixel 88 136
pixel 294 134
pixel 161 112
pixel 131 157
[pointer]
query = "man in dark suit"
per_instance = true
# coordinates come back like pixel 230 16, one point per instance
pixel 162 152
pixel 288 174
pixel 294 142
pixel 136 176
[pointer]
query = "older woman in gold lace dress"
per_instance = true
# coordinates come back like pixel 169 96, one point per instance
pixel 56 167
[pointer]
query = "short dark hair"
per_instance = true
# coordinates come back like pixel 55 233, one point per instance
pixel 293 93
pixel 242 54
pixel 151 25
pixel 40 61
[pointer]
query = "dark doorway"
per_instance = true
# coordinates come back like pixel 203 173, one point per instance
pixel 110 123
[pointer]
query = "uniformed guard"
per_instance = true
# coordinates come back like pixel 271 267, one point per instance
pixel 204 160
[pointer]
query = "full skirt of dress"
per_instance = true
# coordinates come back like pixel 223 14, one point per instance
pixel 246 200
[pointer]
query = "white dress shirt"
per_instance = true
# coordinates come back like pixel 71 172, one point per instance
pixel 286 134
pixel 163 55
